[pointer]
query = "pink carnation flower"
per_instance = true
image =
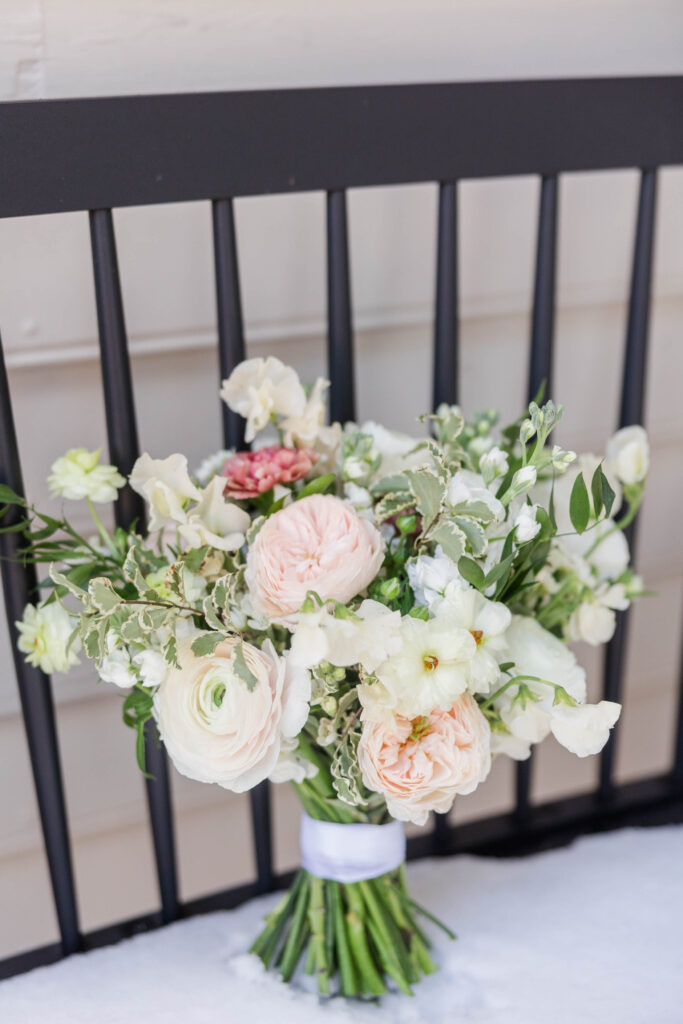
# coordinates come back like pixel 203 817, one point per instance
pixel 249 474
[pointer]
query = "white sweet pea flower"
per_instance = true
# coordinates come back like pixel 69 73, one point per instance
pixel 466 486
pixel 592 622
pixel 214 521
pixel 525 523
pixel 487 622
pixel 78 475
pixel 493 463
pixel 628 455
pixel 44 633
pixel 512 746
pixel 368 639
pixel 429 671
pixel 260 388
pixel 609 558
pixel 584 730
pixel 151 666
pixel 536 652
pixel 166 486
pixel 301 430
pixel 429 576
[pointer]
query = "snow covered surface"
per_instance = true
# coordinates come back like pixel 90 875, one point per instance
pixel 587 934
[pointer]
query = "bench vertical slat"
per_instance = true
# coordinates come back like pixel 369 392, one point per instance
pixel 123 451
pixel 19 586
pixel 229 306
pixel 678 743
pixel 540 370
pixel 231 351
pixel 631 412
pixel 445 384
pixel 340 359
pixel 445 360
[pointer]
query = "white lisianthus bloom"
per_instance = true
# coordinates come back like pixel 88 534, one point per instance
pixel 212 465
pixel 493 463
pixel 258 389
pixel 151 666
pixel 466 486
pixel 536 652
pixel 487 622
pixel 429 576
pixel 525 523
pixel 216 728
pixel 628 455
pixel 215 521
pixel 44 633
pixel 592 622
pixel 78 475
pixel 584 730
pixel 166 486
pixel 429 671
pixel 292 766
pixel 117 667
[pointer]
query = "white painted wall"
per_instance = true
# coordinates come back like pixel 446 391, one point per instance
pixel 47 318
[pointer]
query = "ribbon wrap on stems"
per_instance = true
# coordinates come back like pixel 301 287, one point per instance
pixel 351 853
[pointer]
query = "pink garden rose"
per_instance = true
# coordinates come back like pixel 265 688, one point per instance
pixel 249 474
pixel 318 543
pixel 215 728
pixel 421 765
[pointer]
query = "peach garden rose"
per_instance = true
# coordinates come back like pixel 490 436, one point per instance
pixel 421 765
pixel 317 544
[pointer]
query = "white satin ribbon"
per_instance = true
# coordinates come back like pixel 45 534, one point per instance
pixel 351 853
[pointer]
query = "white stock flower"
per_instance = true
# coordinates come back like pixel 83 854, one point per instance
pixel 429 576
pixel 523 480
pixel 215 521
pixel 212 465
pixel 151 666
pixel 584 730
pixel 526 526
pixel 628 455
pixel 466 486
pixel 428 672
pixel 292 766
pixel 359 497
pixel 166 486
pixel 395 449
pixel 116 667
pixel 493 463
pixel 260 388
pixel 44 633
pixel 487 622
pixel 78 475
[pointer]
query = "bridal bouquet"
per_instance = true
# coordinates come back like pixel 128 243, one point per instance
pixel 369 616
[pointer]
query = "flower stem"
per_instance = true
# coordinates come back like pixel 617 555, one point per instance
pixel 101 529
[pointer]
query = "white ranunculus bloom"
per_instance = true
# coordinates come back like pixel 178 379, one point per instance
pixel 215 728
pixel 79 475
pixel 292 766
pixel 584 730
pixel 525 524
pixel 166 486
pixel 151 666
pixel 429 576
pixel 429 671
pixel 628 455
pixel 44 633
pixel 116 667
pixel 487 622
pixel 215 521
pixel 493 463
pixel 466 486
pixel 258 389
pixel 592 622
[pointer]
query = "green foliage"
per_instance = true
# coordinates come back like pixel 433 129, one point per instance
pixel 241 668
pixel 320 485
pixel 579 505
pixel 427 490
pixel 137 711
pixel 471 571
pixel 206 644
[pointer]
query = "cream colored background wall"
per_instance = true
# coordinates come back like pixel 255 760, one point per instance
pixel 47 318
